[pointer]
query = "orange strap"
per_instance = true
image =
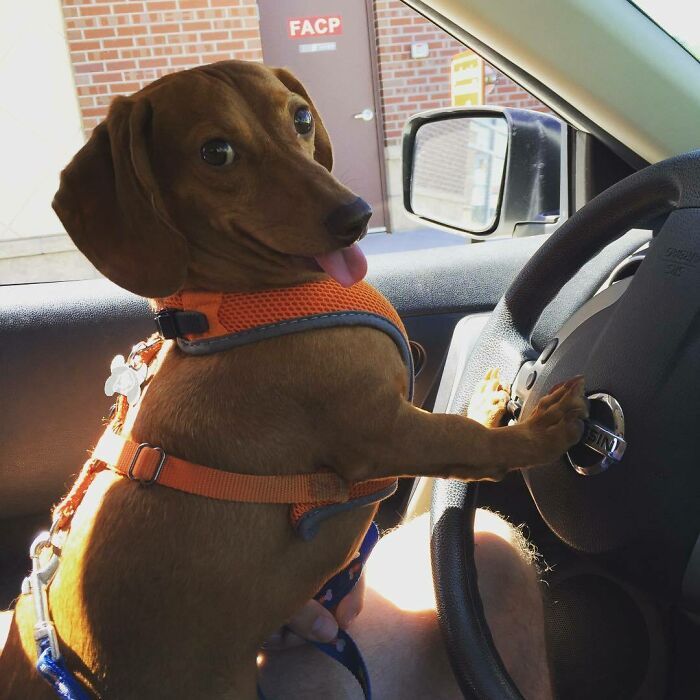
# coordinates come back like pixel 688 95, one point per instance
pixel 236 312
pixel 149 464
pixel 63 513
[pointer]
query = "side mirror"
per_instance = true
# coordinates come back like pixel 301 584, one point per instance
pixel 486 171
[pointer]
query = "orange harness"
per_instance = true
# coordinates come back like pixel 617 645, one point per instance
pixel 206 322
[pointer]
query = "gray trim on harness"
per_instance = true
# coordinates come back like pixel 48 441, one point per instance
pixel 207 346
pixel 308 524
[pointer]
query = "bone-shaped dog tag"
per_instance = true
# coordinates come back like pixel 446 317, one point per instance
pixel 125 380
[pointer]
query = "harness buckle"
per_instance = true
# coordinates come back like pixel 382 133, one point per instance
pixel 173 323
pixel 159 467
pixel 166 324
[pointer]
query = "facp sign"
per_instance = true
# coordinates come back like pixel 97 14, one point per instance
pixel 303 27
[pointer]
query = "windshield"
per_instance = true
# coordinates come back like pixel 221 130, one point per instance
pixel 679 18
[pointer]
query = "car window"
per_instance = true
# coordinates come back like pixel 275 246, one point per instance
pixel 679 18
pixel 368 66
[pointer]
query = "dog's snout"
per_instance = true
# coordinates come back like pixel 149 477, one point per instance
pixel 349 221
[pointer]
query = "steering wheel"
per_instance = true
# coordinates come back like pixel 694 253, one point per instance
pixel 637 343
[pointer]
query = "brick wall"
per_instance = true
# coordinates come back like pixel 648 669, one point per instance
pixel 410 85
pixel 119 47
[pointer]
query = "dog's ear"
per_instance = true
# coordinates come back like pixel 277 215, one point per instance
pixel 111 207
pixel 323 151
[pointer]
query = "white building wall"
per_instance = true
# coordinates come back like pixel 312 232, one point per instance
pixel 40 130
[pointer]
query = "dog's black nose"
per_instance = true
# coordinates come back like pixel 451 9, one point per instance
pixel 349 221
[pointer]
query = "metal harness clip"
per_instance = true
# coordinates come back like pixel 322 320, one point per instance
pixel 35 585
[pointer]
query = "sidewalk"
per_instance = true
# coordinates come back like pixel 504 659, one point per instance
pixel 416 239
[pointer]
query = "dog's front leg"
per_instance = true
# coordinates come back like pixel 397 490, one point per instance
pixel 404 440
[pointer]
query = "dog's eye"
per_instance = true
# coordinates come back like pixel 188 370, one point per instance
pixel 303 120
pixel 217 152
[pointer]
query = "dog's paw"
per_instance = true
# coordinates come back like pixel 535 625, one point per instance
pixel 489 400
pixel 557 423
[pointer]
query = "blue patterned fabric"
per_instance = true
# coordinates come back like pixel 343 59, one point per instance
pixel 343 649
pixel 54 671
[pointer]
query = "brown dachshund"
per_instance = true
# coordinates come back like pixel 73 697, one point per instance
pixel 218 178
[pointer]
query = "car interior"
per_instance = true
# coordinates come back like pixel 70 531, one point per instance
pixel 617 549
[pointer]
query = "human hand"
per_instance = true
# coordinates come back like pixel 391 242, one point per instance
pixel 314 623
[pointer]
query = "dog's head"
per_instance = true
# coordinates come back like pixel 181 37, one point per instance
pixel 215 178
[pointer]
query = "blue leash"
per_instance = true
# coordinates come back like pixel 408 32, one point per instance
pixel 343 649
pixel 54 671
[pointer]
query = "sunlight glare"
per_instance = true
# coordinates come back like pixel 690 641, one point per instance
pixel 399 568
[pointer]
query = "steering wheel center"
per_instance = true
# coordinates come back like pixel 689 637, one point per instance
pixel 603 443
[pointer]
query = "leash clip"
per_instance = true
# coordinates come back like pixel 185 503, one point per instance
pixel 50 665
pixel 35 585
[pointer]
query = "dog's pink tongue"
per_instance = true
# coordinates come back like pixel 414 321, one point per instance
pixel 346 266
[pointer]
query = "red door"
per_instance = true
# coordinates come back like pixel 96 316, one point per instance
pixel 326 43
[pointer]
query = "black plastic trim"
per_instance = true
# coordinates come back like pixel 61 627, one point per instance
pixel 535 173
